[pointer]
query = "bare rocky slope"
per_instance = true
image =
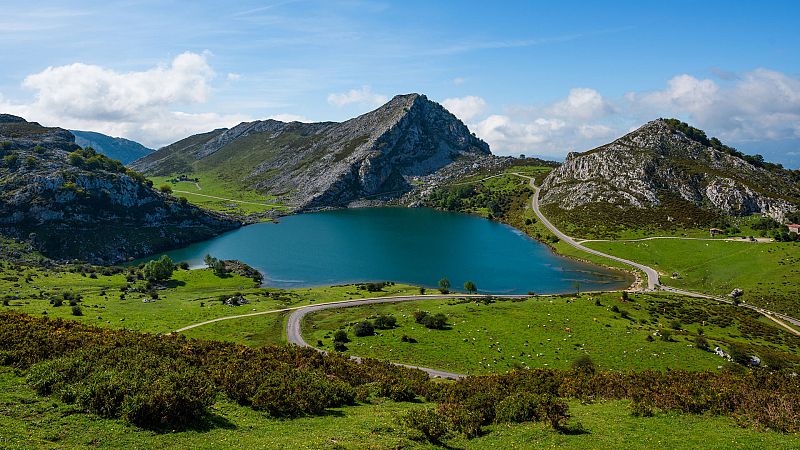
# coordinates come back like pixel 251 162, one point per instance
pixel 669 167
pixel 72 203
pixel 379 155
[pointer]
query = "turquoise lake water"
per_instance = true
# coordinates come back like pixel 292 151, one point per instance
pixel 405 245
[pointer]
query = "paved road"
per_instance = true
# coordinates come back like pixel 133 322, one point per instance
pixel 652 275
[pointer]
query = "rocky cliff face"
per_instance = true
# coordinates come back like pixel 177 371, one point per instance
pixel 313 165
pixel 75 204
pixel 658 161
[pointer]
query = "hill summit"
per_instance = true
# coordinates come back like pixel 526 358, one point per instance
pixel 315 165
pixel 670 166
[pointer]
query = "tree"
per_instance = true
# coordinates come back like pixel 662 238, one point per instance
pixel 165 188
pixel 470 287
pixel 421 290
pixel 216 265
pixel 160 269
pixel 364 328
pixel 444 286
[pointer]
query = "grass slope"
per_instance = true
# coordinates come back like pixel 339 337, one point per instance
pixel 767 272
pixel 30 421
pixel 554 331
pixel 240 201
pixel 192 296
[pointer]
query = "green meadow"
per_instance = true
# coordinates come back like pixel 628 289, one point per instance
pixel 232 199
pixel 768 273
pixel 554 331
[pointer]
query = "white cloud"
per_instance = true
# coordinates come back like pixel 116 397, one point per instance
pixel 758 105
pixel 465 108
pixel 752 109
pixel 144 106
pixel 581 104
pixel 363 96
pixel 458 81
pixel 234 76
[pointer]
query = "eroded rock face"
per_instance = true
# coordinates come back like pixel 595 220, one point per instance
pixel 317 165
pixel 77 212
pixel 636 170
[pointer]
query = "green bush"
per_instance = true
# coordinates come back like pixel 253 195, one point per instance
pixel 364 328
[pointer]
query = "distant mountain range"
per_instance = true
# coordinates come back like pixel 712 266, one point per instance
pixel 667 171
pixel 315 165
pixel 74 203
pixel 121 149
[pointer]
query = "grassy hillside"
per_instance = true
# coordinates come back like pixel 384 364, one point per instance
pixel 39 422
pixel 219 194
pixel 767 272
pixel 555 331
pixel 190 296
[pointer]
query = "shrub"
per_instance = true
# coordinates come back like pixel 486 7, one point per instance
pixel 364 328
pixel 165 188
pixel 701 343
pixel 435 322
pixel 584 364
pixel 76 311
pixel 385 322
pixel 427 421
pixel 340 336
pixel 518 408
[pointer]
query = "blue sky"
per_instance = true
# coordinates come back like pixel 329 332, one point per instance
pixel 540 78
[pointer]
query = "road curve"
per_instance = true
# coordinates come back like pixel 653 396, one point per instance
pixel 652 275
pixel 295 336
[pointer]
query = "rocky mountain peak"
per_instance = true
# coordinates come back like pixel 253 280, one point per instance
pixel 668 161
pixel 315 165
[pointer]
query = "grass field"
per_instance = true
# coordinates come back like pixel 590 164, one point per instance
pixel 554 331
pixel 191 296
pixel 245 201
pixel 30 421
pixel 767 272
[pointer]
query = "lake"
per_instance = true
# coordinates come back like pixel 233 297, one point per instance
pixel 406 245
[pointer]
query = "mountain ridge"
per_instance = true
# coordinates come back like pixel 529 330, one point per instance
pixel 121 149
pixel 329 164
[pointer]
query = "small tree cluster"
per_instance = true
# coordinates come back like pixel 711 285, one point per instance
pixel 216 265
pixel 160 269
pixel 385 322
pixel 433 321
